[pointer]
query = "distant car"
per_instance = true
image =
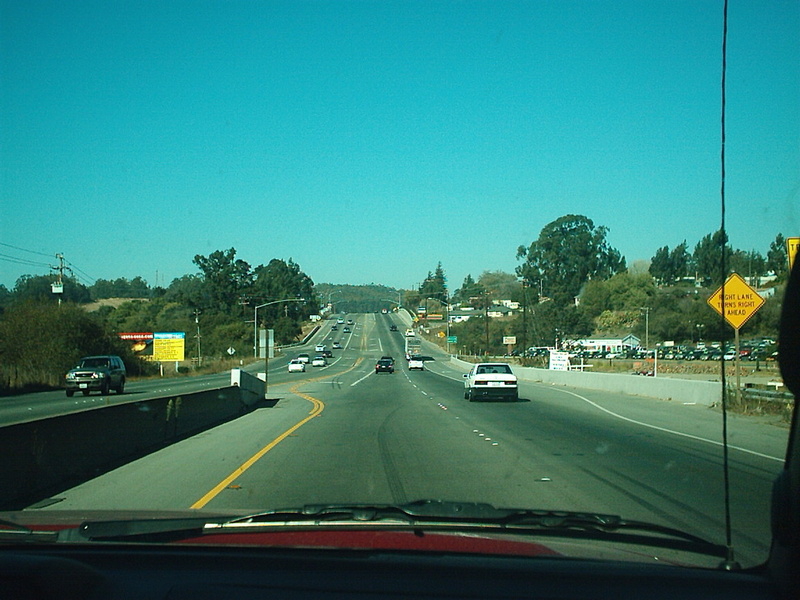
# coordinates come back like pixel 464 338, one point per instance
pixel 334 327
pixel 327 353
pixel 319 361
pixel 487 381
pixel 296 366
pixel 384 365
pixel 393 328
pixel 409 333
pixel 349 321
pixel 346 330
pixel 97 373
pixel 337 346
pixel 416 362
pixel 384 311
pixel 303 358
pixel 319 348
pixel 340 321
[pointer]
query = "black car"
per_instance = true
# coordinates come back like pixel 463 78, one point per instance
pixel 385 364
pixel 393 328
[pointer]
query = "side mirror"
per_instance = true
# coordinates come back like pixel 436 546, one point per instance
pixel 466 374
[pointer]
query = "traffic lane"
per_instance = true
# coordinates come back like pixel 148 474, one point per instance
pixel 626 468
pixel 387 438
pixel 379 441
pixel 176 477
pixel 41 405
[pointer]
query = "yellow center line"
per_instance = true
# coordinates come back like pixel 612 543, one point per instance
pixel 317 407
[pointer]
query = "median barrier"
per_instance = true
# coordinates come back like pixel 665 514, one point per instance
pixel 251 386
pixel 664 388
pixel 56 453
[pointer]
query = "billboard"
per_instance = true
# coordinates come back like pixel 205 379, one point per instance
pixel 161 346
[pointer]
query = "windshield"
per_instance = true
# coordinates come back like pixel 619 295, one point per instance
pixel 558 189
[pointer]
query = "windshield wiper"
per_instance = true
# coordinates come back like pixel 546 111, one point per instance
pixel 445 515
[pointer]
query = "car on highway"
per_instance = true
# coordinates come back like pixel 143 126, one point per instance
pixel 340 321
pixel 304 358
pixel 415 363
pixel 96 374
pixel 409 332
pixel 385 364
pixel 392 327
pixel 319 361
pixel 296 366
pixel 334 327
pixel 490 381
pixel 346 330
pixel 319 347
pixel 337 346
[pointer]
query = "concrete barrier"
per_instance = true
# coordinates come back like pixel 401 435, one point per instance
pixel 53 454
pixel 665 388
pixel 251 386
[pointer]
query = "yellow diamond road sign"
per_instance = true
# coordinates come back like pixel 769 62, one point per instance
pixel 741 301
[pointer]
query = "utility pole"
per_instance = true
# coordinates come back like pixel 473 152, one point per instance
pixel 197 321
pixel 646 310
pixel 524 318
pixel 58 286
pixel 486 319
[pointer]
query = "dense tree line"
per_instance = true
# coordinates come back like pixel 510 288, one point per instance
pixel 573 284
pixel 41 338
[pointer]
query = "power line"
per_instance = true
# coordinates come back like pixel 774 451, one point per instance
pixel 22 261
pixel 25 250
pixel 84 273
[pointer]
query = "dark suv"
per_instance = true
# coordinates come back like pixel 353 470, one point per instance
pixel 99 373
pixel 385 364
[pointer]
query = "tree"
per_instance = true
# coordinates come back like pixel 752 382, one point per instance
pixel 283 280
pixel 667 267
pixel 40 341
pixel 568 253
pixel 750 265
pixel 469 290
pixel 225 278
pixel 435 285
pixel 777 258
pixel 660 266
pixel 707 257
pixel 39 288
pixel 501 285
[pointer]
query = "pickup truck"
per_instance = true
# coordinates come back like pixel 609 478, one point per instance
pixel 489 381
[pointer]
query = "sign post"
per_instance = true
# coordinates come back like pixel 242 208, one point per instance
pixel 737 306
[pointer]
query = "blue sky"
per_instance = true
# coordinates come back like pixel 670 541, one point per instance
pixel 370 140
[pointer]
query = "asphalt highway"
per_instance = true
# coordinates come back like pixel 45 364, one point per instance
pixel 344 434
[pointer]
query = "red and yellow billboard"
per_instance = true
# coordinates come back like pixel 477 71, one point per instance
pixel 160 346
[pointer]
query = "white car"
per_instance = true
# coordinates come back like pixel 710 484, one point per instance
pixel 409 333
pixel 487 381
pixel 416 362
pixel 303 358
pixel 320 348
pixel 296 366
pixel 319 361
pixel 340 321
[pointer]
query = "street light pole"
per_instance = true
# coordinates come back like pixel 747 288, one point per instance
pixel 255 337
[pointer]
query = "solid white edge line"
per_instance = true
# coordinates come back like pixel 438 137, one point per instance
pixel 665 430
